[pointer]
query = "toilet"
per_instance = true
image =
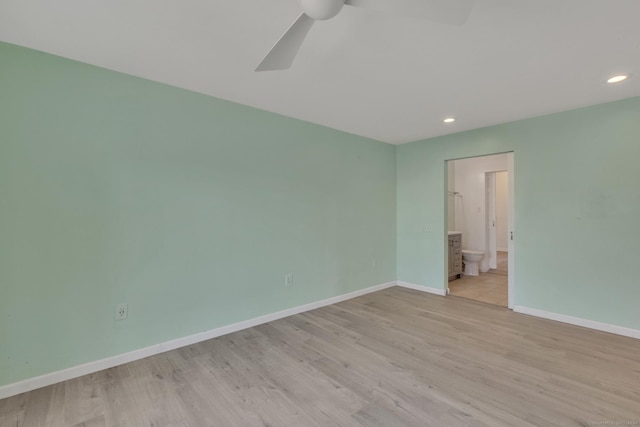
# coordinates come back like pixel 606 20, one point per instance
pixel 471 260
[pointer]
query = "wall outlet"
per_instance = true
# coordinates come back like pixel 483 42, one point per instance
pixel 428 228
pixel 122 311
pixel 373 263
pixel 288 279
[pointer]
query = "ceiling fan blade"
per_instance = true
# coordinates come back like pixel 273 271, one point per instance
pixel 282 54
pixel 453 12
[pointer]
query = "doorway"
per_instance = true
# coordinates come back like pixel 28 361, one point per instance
pixel 480 224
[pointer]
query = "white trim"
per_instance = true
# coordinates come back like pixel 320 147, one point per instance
pixel 511 220
pixel 591 324
pixel 422 288
pixel 109 362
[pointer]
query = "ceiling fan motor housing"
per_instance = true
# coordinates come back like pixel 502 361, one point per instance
pixel 321 9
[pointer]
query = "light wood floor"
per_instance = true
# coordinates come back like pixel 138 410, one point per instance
pixel 397 357
pixel 490 287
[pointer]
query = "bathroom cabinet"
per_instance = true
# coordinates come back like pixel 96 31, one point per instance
pixel 455 255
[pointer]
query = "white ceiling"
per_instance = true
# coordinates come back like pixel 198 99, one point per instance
pixel 380 76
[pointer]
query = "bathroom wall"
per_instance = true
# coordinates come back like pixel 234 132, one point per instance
pixel 451 197
pixel 502 211
pixel 471 214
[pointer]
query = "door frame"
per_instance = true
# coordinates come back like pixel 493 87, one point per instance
pixel 511 284
pixel 511 226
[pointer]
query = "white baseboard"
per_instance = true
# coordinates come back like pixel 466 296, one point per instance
pixel 422 288
pixel 591 324
pixel 110 362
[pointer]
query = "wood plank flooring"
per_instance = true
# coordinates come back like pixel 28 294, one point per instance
pixel 396 357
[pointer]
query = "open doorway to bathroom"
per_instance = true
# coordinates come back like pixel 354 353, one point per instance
pixel 480 228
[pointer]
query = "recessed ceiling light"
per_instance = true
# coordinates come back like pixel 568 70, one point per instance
pixel 449 120
pixel 618 78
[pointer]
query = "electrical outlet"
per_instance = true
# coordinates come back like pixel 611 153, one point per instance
pixel 288 279
pixel 122 311
pixel 428 228
pixel 373 263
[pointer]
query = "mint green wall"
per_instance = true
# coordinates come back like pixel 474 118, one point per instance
pixel 190 209
pixel 577 207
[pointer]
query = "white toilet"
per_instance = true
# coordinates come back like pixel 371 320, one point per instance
pixel 471 260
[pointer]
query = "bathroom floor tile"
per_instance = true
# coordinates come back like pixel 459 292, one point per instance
pixel 489 287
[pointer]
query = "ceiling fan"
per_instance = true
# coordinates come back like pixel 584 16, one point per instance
pixel 282 54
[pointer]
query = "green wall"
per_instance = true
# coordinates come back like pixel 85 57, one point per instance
pixel 577 207
pixel 189 208
pixel 192 209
